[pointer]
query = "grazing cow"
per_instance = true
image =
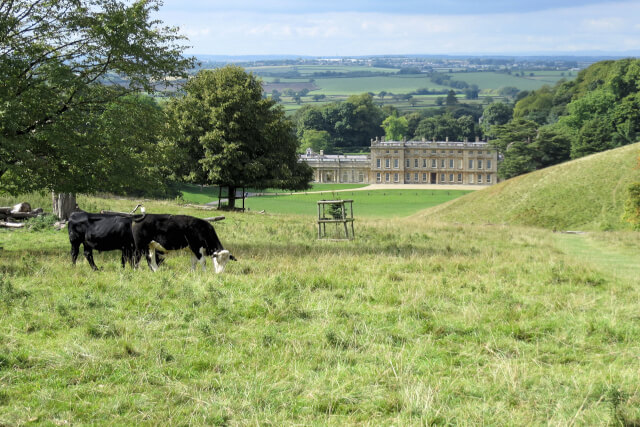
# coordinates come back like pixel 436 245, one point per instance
pixel 173 232
pixel 102 232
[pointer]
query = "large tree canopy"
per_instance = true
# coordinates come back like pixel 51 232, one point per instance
pixel 228 134
pixel 63 66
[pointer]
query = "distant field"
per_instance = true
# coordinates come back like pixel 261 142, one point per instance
pixel 196 194
pixel 310 69
pixel 371 204
pixel 494 81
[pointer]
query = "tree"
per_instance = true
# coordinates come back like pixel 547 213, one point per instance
pixel 395 128
pixel 319 97
pixel 244 140
pixel 451 98
pixel 382 94
pixel 472 92
pixel 275 95
pixel 317 140
pixel 497 113
pixel 54 55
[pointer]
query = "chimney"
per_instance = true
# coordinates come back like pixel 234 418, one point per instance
pixel 321 152
pixel 404 139
pixel 446 139
pixel 424 139
pixel 382 139
pixel 477 139
pixel 434 139
pixel 466 139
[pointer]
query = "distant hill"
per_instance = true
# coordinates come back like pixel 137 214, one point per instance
pixel 583 194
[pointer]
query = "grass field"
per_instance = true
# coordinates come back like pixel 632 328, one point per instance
pixel 373 204
pixel 204 194
pixel 415 322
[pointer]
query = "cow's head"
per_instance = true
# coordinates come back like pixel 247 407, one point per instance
pixel 220 259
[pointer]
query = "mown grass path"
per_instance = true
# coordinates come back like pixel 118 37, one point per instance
pixel 618 260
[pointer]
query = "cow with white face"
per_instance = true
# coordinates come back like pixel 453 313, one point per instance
pixel 164 233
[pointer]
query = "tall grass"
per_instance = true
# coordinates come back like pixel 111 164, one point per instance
pixel 415 322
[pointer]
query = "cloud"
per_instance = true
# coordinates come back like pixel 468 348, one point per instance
pixel 608 27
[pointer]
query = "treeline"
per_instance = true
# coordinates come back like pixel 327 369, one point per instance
pixel 597 111
pixel 347 127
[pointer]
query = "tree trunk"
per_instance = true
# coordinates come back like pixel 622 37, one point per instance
pixel 232 197
pixel 63 204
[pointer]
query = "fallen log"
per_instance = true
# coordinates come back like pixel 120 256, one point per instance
pixel 19 215
pixel 11 224
pixel 214 218
pixel 126 214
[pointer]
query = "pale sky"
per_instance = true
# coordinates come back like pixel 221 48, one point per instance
pixel 404 27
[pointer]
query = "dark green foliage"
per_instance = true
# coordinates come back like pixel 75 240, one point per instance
pixel 227 134
pixel 351 123
pixel 55 112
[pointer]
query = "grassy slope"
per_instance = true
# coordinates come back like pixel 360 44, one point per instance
pixel 413 323
pixel 586 194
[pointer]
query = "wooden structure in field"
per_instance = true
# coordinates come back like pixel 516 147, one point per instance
pixel 337 213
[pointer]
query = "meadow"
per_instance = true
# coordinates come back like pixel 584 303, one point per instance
pixel 415 322
pixel 366 203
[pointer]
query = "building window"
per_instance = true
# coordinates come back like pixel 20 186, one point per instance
pixel 387 151
pixel 470 178
pixel 424 177
pixel 386 177
pixel 434 164
pixel 345 177
pixel 424 163
pixel 396 164
pixel 387 163
pixel 378 177
pixel 396 177
pixel 442 177
pixel 433 151
pixel 470 163
pixel 424 151
pixel 488 178
pixel 408 151
pixel 460 164
pixel 415 163
pixel 450 163
pixel 408 163
pixel 459 177
pixel 488 164
pixel 395 151
pixel 415 177
pixel 471 152
pixel 459 151
pixel 450 177
pixel 479 179
pixel 407 177
pixel 378 163
pixel 479 164
pixel 450 151
pixel 442 163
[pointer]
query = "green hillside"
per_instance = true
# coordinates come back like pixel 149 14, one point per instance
pixel 585 194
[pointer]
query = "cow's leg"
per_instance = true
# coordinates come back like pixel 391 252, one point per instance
pixel 75 250
pixel 199 255
pixel 194 260
pixel 88 254
pixel 203 259
pixel 151 259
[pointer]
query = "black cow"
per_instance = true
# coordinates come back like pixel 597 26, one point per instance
pixel 102 232
pixel 173 232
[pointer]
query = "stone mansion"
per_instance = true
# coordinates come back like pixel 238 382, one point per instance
pixel 409 162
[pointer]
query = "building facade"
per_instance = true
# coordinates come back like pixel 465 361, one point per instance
pixel 410 162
